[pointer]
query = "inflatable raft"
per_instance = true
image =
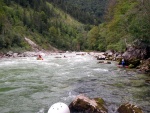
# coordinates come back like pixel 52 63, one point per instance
pixel 120 66
pixel 39 58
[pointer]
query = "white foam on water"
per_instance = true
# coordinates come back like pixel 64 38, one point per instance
pixel 64 73
pixel 69 97
pixel 101 70
pixel 35 88
pixel 7 83
pixel 7 63
pixel 41 110
pixel 49 64
pixel 55 64
pixel 90 75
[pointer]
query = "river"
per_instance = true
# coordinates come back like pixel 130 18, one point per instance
pixel 28 85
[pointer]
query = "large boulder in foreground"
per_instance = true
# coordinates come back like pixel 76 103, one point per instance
pixel 129 108
pixel 86 105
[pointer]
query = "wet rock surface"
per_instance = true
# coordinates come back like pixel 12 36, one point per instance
pixel 129 108
pixel 145 66
pixel 83 104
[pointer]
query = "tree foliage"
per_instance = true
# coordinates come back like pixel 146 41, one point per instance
pixel 125 19
pixel 38 20
pixel 85 11
pixel 48 22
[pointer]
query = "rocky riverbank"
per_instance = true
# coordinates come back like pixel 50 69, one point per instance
pixel 35 51
pixel 138 60
pixel 12 54
pixel 136 56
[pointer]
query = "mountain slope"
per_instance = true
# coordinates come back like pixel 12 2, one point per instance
pixel 85 11
pixel 41 22
pixel 125 20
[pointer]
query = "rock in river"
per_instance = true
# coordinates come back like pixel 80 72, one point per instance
pixel 129 108
pixel 86 105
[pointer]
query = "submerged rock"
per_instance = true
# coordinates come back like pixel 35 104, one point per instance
pixel 86 105
pixel 105 62
pixel 129 108
pixel 101 62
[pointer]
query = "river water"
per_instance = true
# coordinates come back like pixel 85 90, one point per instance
pixel 28 85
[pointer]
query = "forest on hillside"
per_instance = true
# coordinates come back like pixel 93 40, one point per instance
pixel 39 21
pixel 84 25
pixel 125 20
pixel 85 11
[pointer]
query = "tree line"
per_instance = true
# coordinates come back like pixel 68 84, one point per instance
pixel 124 20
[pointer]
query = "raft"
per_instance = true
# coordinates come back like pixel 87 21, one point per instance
pixel 120 66
pixel 39 58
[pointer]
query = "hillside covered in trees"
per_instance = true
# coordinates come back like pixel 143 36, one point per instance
pixel 85 11
pixel 41 22
pixel 125 20
pixel 73 25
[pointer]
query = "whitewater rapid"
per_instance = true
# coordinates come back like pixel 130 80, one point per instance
pixel 28 85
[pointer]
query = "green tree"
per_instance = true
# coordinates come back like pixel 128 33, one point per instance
pixel 93 36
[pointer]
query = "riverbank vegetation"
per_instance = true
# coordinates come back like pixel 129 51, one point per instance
pixel 73 25
pixel 125 20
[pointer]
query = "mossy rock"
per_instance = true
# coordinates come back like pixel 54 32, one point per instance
pixel 129 108
pixel 86 105
pixel 119 60
pixel 131 66
pixel 135 62
pixel 99 101
pixel 132 62
pixel 145 66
